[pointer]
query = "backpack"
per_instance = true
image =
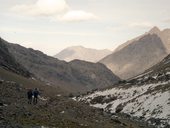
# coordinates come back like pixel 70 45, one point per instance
pixel 36 93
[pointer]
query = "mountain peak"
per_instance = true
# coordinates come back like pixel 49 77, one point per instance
pixel 74 47
pixel 82 53
pixel 154 30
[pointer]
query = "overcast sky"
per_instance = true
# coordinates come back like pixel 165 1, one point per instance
pixel 52 25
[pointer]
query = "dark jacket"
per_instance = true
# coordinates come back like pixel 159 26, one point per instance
pixel 36 93
pixel 29 94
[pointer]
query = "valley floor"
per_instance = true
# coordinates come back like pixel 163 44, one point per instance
pixel 55 112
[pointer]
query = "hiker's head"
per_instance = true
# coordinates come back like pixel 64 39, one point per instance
pixel 36 89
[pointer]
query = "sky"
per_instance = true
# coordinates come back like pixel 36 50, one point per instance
pixel 52 25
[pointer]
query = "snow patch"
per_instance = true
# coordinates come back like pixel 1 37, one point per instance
pixel 141 101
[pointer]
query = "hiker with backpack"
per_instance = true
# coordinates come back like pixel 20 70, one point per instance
pixel 35 94
pixel 30 94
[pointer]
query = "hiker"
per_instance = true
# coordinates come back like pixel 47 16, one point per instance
pixel 29 94
pixel 35 93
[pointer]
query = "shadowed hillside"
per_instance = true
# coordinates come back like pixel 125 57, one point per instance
pixel 68 76
pixel 8 62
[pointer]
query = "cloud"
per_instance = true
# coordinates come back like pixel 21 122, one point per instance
pixel 141 24
pixel 55 9
pixel 76 16
pixel 42 7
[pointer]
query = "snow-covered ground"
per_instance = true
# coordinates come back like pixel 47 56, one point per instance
pixel 148 101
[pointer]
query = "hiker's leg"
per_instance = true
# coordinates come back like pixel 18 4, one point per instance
pixel 34 100
pixel 30 100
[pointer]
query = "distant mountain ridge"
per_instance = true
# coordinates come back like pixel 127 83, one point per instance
pixel 68 76
pixel 82 53
pixel 139 54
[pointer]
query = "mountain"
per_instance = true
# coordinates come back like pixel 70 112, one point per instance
pixel 154 30
pixel 68 76
pixel 136 57
pixel 82 53
pixel 145 97
pixel 139 54
pixel 8 62
pixel 164 35
pixel 93 73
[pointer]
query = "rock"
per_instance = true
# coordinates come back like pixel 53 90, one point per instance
pixel 119 108
pixel 28 114
pixel 98 99
pixel 1 104
pixel 116 121
pixel 1 117
pixel 62 112
pixel 1 81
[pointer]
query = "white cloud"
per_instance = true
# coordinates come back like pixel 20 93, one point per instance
pixel 76 16
pixel 42 7
pixel 141 24
pixel 55 9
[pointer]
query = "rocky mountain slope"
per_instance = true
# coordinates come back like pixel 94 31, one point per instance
pixel 164 35
pixel 54 108
pixel 68 76
pixel 139 54
pixel 8 62
pixel 145 97
pixel 154 30
pixel 82 53
pixel 93 73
